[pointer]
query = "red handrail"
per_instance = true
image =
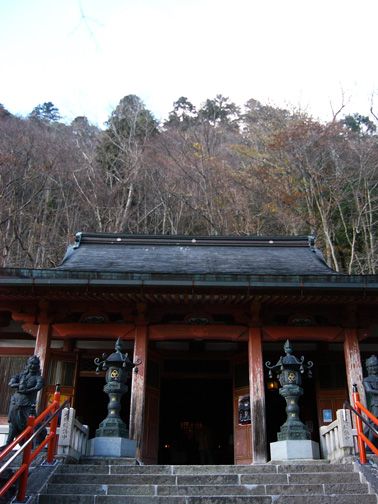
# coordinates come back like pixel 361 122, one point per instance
pixel 362 439
pixel 28 456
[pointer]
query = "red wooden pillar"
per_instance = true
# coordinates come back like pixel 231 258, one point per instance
pixel 43 340
pixel 257 396
pixel 42 350
pixel 42 346
pixel 353 364
pixel 138 389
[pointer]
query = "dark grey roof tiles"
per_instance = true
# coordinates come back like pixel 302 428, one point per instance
pixel 199 255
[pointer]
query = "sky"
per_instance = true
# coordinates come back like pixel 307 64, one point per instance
pixel 86 55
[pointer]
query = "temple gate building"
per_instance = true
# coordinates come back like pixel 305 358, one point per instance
pixel 203 313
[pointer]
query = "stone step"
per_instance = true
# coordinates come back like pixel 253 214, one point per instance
pixel 81 478
pixel 326 499
pixel 114 469
pixel 221 499
pixel 314 467
pixel 205 470
pixel 103 499
pixel 108 461
pixel 166 469
pixel 167 490
pixel 303 478
pixel 122 479
pixel 208 490
pixel 314 483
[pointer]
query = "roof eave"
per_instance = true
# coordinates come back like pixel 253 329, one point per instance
pixel 271 282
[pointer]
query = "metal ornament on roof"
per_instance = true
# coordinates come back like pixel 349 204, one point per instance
pixel 289 370
pixel 118 369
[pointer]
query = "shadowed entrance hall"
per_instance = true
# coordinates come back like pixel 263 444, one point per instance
pixel 195 414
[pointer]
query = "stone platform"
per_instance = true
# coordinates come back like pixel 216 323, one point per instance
pixel 294 450
pixel 111 447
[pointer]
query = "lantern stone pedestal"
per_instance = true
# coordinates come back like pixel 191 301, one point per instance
pixel 291 449
pixel 111 447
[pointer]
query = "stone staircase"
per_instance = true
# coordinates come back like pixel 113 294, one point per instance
pixel 120 481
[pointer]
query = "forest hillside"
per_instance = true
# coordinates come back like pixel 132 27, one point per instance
pixel 216 170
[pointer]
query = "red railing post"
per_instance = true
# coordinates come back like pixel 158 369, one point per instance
pixel 361 444
pixel 26 462
pixel 53 427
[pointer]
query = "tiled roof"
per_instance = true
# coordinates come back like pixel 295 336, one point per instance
pixel 195 255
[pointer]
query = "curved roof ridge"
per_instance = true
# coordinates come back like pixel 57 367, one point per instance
pixel 195 255
pixel 216 240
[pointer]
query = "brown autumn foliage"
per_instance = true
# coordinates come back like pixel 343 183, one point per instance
pixel 213 171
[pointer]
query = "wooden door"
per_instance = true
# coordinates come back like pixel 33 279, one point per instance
pixel 329 401
pixel 331 389
pixel 63 369
pixel 151 415
pixel 242 414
